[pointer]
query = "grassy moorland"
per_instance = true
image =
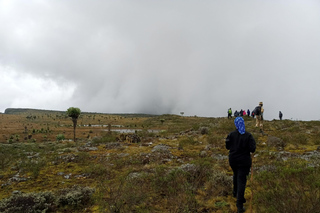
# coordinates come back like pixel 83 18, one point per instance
pixel 145 163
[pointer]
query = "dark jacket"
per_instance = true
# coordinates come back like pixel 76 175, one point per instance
pixel 239 147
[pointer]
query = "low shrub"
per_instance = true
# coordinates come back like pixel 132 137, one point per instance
pixel 276 142
pixel 75 196
pixel 289 188
pixel 107 138
pixel 219 184
pixel 29 202
pixel 204 130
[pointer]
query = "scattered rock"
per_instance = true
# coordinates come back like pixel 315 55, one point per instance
pixel 146 144
pixel 84 175
pixel 220 157
pixel 87 149
pixel 134 175
pixel 161 148
pixel 188 167
pixel 113 145
pixel 269 168
pixel 17 178
pixel 276 142
pixel 122 155
pixel 5 184
pixel 68 176
pixel 15 192
pixel 203 154
pixel 67 158
pixel 180 161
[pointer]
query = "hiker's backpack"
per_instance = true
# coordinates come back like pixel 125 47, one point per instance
pixel 257 110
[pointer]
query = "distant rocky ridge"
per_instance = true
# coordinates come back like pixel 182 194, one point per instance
pixel 17 111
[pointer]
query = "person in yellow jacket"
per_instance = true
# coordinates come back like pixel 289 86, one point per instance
pixel 258 112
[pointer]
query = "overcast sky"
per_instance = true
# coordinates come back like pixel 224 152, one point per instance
pixel 147 56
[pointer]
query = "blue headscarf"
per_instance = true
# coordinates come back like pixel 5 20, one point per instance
pixel 239 122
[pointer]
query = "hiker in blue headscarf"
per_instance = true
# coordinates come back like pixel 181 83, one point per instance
pixel 240 144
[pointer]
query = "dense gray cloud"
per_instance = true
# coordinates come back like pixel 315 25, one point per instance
pixel 200 57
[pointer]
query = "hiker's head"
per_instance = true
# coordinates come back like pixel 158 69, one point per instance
pixel 239 122
pixel 260 103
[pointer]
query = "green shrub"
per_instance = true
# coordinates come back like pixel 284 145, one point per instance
pixel 60 137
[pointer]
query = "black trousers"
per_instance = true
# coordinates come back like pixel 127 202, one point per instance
pixel 240 174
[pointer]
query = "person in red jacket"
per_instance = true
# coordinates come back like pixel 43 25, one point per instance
pixel 240 144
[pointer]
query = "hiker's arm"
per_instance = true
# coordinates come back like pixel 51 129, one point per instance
pixel 228 142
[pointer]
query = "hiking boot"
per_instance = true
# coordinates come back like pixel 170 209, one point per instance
pixel 241 210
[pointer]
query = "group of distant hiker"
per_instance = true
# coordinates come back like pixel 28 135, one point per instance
pixel 237 114
pixel 257 113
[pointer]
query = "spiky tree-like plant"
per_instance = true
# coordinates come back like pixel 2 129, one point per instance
pixel 74 114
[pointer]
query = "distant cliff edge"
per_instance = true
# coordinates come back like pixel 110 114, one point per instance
pixel 27 110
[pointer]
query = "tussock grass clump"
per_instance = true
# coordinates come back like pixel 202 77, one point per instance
pixel 187 141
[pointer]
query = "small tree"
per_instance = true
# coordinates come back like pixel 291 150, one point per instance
pixel 74 113
pixel 162 121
